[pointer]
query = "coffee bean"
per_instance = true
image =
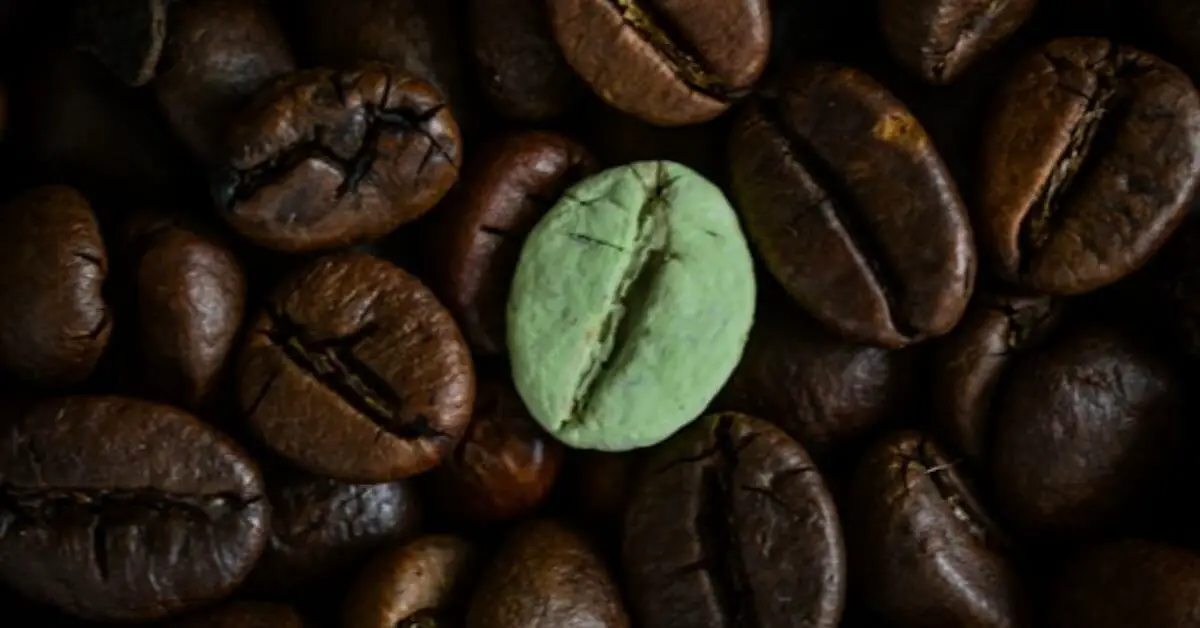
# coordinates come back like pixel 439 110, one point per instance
pixel 923 550
pixel 56 320
pixel 669 62
pixel 115 509
pixel 355 371
pixel 505 465
pixel 327 158
pixel 521 70
pixel 823 391
pixel 321 529
pixel 1175 285
pixel 851 208
pixel 971 363
pixel 939 39
pixel 546 576
pixel 1127 583
pixel 732 525
pixel 1088 165
pixel 243 615
pixel 512 183
pixel 1085 431
pixel 191 297
pixel 418 585
pixel 217 54
pixel 127 36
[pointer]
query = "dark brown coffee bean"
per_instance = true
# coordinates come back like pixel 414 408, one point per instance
pixel 939 39
pixel 322 529
pixel 521 70
pixel 56 322
pixel 412 586
pixel 851 208
pixel 423 38
pixel 324 158
pixel 971 362
pixel 1085 431
pixel 923 550
pixel 243 615
pixel 547 576
pixel 127 36
pixel 1127 583
pixel 513 182
pixel 823 391
pixel 505 465
pixel 115 509
pixel 1088 165
pixel 191 297
pixel 355 371
pixel 669 62
pixel 217 54
pixel 732 525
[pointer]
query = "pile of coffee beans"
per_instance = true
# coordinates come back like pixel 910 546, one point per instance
pixel 599 313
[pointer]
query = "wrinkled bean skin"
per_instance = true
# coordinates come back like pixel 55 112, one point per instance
pixel 329 158
pixel 1084 432
pixel 729 512
pixel 1127 583
pixel 411 585
pixel 57 323
pixel 1088 165
pixel 852 210
pixel 356 372
pixel 922 550
pixel 116 509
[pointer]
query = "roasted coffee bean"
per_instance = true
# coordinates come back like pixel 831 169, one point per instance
pixel 1088 165
pixel 514 181
pixel 115 509
pixel 939 39
pixel 423 38
pixel 418 585
pixel 327 158
pixel 243 615
pixel 1127 583
pixel 732 525
pixel 521 70
pixel 971 363
pixel 355 371
pixel 191 296
pixel 505 465
pixel 56 321
pixel 321 529
pixel 669 62
pixel 127 36
pixel 823 391
pixel 1086 429
pixel 852 210
pixel 547 576
pixel 923 551
pixel 217 54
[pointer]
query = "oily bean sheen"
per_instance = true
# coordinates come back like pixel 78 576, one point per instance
pixel 1127 583
pixel 116 509
pixel 547 576
pixel 243 615
pixel 355 371
pixel 1088 165
pixel 217 54
pixel 56 322
pixel 731 512
pixel 514 182
pixel 413 586
pixel 971 363
pixel 322 528
pixel 669 62
pixel 939 39
pixel 923 551
pixel 325 158
pixel 1085 431
pixel 851 208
